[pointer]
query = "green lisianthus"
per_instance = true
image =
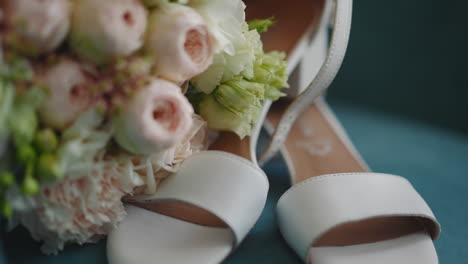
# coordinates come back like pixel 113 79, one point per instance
pixel 239 95
pixel 233 106
pixel 233 89
pixel 229 95
pixel 271 70
pixel 221 119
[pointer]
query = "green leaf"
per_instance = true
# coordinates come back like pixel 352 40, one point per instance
pixel 5 208
pixel 86 48
pixel 261 25
pixel 16 69
pixel 7 95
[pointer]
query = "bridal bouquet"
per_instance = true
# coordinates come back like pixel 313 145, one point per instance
pixel 100 100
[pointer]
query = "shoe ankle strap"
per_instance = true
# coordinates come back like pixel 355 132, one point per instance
pixel 323 79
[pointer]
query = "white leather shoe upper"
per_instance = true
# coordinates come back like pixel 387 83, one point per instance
pixel 227 186
pixel 311 208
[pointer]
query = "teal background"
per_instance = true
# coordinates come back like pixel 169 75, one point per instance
pixel 402 94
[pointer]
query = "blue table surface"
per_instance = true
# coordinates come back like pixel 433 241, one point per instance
pixel 433 159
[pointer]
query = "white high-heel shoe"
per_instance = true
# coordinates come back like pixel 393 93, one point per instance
pixel 337 211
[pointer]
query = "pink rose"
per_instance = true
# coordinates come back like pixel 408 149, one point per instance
pixel 180 41
pixel 166 162
pixel 41 25
pixel 67 94
pixel 104 29
pixel 157 117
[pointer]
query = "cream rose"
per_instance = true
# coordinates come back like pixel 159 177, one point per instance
pixel 157 117
pixel 38 26
pixel 67 94
pixel 180 41
pixel 105 29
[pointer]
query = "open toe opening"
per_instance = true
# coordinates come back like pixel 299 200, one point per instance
pixel 183 211
pixel 375 230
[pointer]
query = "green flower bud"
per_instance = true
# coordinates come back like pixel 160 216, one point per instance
pixel 48 168
pixel 219 118
pixel 233 106
pixel 25 154
pixel 23 124
pixel 5 208
pixel 29 186
pixel 6 179
pixel 46 140
pixel 101 108
pixel 20 70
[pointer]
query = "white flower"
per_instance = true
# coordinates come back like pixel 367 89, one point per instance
pixel 157 117
pixel 79 210
pixel 226 66
pixel 236 46
pixel 105 29
pixel 40 24
pixel 196 141
pixel 225 19
pixel 167 162
pixel 180 41
pixel 82 143
pixel 67 94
